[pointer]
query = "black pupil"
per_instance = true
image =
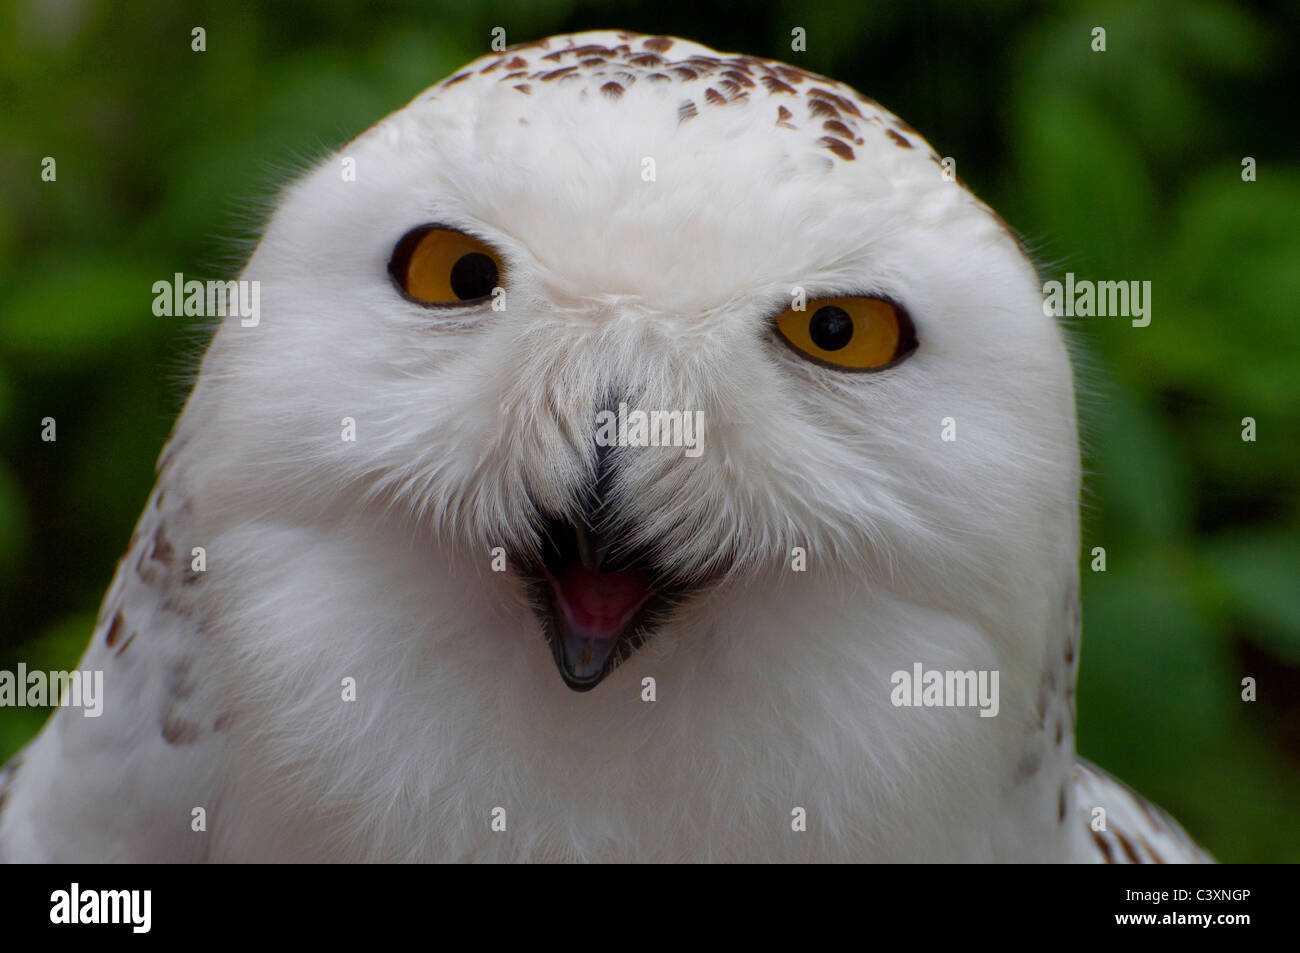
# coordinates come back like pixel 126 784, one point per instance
pixel 830 328
pixel 473 276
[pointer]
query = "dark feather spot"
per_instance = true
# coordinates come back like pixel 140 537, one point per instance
pixel 612 90
pixel 178 731
pixel 660 44
pixel 840 148
pixel 1127 847
pixel 713 97
pixel 457 79
pixel 837 128
pixel 524 88
pixel 898 140
pixel 685 72
pixel 687 111
pixel 114 631
pixel 736 76
pixel 557 73
pixel 162 548
pixel 820 107
pixel 1104 844
pixel 176 678
pixel 840 101
pixel 775 85
pixel 127 643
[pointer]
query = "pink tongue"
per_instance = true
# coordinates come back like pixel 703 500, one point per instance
pixel 599 604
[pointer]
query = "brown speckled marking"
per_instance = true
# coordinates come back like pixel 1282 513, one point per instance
pixel 457 79
pixel 736 76
pixel 1060 805
pixel 543 44
pixel 148 575
pixel 660 44
pixel 1155 858
pixel 842 102
pixel 685 72
pixel 114 631
pixel 176 678
pixel 837 128
pixel 659 78
pixel 612 90
pixel 524 88
pixel 223 721
pixel 791 74
pixel 687 111
pixel 1060 732
pixel 593 62
pixel 1127 847
pixel 162 548
pixel 557 73
pixel 1029 763
pixel 178 731
pixel 646 59
pixel 713 97
pixel 822 108
pixel 899 141
pixel 783 118
pixel 839 147
pixel 127 643
pixel 775 85
pixel 1104 845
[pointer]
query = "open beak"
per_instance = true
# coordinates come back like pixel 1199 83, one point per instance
pixel 596 607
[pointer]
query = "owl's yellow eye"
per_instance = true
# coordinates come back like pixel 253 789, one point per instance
pixel 437 265
pixel 850 334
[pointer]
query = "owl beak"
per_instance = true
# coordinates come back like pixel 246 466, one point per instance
pixel 593 608
pixel 593 611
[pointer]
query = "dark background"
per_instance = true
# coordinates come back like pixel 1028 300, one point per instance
pixel 1120 165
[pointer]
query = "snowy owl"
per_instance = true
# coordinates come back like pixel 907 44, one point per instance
pixel 643 453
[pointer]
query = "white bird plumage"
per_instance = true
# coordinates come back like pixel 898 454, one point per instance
pixel 371 560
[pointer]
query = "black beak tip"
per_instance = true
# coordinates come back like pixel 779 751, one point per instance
pixel 583 664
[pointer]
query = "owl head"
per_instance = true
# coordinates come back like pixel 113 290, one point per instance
pixel 494 281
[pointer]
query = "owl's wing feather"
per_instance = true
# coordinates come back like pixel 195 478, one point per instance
pixel 124 786
pixel 1136 831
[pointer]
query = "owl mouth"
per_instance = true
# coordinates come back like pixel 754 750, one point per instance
pixel 597 603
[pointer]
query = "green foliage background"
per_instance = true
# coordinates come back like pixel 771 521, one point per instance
pixel 1117 165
